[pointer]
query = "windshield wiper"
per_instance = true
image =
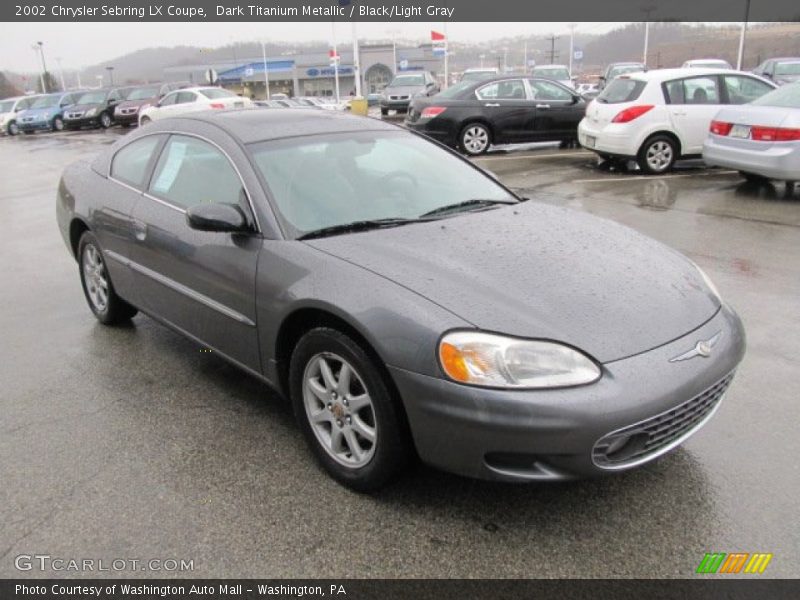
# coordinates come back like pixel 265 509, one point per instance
pixel 364 225
pixel 466 205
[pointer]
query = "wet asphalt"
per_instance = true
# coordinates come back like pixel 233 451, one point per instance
pixel 132 443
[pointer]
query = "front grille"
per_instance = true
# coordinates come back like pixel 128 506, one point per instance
pixel 27 120
pixel 74 115
pixel 128 111
pixel 653 437
pixel 398 97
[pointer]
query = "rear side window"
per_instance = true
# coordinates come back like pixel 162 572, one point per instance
pixel 621 90
pixel 185 97
pixel 191 172
pixel 692 90
pixel 744 89
pixel 130 163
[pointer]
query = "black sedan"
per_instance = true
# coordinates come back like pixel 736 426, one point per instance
pixel 472 115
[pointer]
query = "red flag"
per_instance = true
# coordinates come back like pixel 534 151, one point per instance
pixel 332 53
pixel 436 36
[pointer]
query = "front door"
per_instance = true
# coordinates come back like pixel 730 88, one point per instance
pixel 556 115
pixel 200 282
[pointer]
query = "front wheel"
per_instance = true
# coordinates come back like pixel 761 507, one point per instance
pixel 657 155
pixel 346 410
pixel 13 128
pixel 58 124
pixel 109 308
pixel 144 120
pixel 475 139
pixel 105 120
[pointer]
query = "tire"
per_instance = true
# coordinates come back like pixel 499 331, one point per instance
pixel 372 463
pixel 657 155
pixel 475 139
pixel 105 120
pixel 384 112
pixel 144 121
pixel 58 124
pixel 109 308
pixel 13 128
pixel 753 178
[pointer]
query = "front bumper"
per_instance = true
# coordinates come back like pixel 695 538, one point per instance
pixel 82 121
pixel 401 105
pixel 552 434
pixel 781 160
pixel 43 125
pixel 126 118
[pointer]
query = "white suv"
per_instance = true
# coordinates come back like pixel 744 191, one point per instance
pixel 659 116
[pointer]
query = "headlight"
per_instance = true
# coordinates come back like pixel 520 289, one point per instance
pixel 490 360
pixel 90 112
pixel 708 282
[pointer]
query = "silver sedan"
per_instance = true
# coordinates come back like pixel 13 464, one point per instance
pixel 761 140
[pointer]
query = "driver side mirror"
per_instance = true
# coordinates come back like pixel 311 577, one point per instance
pixel 219 217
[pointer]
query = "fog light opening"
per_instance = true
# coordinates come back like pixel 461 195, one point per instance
pixel 625 446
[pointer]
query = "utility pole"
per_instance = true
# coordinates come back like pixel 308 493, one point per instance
pixel 266 70
pixel 39 47
pixel 335 61
pixel 740 59
pixel 647 10
pixel 571 46
pixel 110 74
pixel 552 52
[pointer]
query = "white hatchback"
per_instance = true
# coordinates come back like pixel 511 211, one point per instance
pixel 659 116
pixel 190 100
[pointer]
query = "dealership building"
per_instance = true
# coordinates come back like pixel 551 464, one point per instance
pixel 311 74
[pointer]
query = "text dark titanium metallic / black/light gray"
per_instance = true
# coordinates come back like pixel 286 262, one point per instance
pixel 405 301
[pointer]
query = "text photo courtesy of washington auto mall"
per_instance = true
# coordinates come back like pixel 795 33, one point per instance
pixel 423 299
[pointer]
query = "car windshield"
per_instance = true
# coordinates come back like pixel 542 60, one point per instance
pixel 144 93
pixel 92 98
pixel 337 179
pixel 622 69
pixel 477 75
pixel 787 96
pixel 560 74
pixel 621 90
pixel 6 106
pixel 455 90
pixel 46 102
pixel 404 80
pixel 213 93
pixel 788 68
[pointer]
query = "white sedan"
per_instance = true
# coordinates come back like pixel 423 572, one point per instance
pixel 659 116
pixel 190 100
pixel 760 139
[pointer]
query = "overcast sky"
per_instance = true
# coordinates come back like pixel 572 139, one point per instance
pixel 83 44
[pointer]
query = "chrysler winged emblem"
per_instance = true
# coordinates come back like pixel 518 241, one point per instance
pixel 702 348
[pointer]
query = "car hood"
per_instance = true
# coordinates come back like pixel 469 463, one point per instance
pixel 131 103
pixel 539 271
pixel 404 90
pixel 84 107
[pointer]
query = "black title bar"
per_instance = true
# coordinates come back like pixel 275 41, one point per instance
pixel 398 11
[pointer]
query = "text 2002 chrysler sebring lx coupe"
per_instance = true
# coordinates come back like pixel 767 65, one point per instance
pixel 404 301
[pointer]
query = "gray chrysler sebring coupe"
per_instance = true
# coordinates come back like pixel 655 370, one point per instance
pixel 406 303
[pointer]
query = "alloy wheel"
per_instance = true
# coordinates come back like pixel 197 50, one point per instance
pixel 339 409
pixel 58 124
pixel 475 139
pixel 94 276
pixel 659 156
pixel 13 128
pixel 105 120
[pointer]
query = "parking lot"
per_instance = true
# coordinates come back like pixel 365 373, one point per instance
pixel 131 442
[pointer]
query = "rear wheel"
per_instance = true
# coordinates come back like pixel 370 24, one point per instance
pixel 657 155
pixel 346 411
pixel 752 177
pixel 475 139
pixel 109 308
pixel 105 120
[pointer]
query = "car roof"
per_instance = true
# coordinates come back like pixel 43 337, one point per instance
pixel 706 60
pixel 667 74
pixel 256 124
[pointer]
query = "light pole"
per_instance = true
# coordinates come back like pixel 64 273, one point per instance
pixel 39 47
pixel 61 75
pixel 740 59
pixel 571 46
pixel 110 74
pixel 646 10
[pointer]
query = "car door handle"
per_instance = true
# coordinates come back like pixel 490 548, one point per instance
pixel 542 106
pixel 679 113
pixel 139 230
pixel 492 104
